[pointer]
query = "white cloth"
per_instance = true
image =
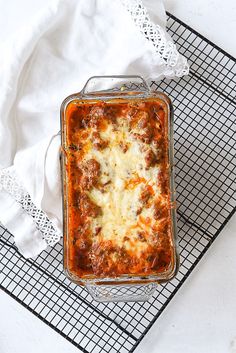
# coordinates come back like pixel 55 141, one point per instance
pixel 50 58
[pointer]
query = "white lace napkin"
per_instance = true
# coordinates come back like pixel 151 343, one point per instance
pixel 50 58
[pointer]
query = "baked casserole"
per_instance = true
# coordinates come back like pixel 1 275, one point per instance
pixel 118 202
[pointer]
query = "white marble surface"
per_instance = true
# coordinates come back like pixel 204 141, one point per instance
pixel 202 316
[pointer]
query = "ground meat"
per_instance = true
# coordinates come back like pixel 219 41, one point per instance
pixel 141 120
pixel 126 238
pixel 146 136
pixel 82 255
pixel 88 207
pixel 159 149
pixel 92 167
pixel 83 243
pixel 146 131
pixel 81 232
pixel 150 158
pixel 85 183
pixel 158 143
pixel 139 210
pixel 159 155
pixel 108 258
pixel 97 230
pixel 160 210
pixel 164 226
pixel 93 118
pixel 112 112
pixel 91 171
pixel 97 112
pixel 141 236
pixel 97 141
pixel 103 263
pixel 131 116
pixel 124 146
pixel 145 195
pixel 163 181
pixel 73 147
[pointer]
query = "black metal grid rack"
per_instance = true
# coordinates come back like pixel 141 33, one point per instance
pixel 205 144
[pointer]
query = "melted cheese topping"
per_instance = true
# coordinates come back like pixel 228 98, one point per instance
pixel 127 175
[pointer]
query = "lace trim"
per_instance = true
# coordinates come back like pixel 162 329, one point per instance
pixel 10 183
pixel 176 64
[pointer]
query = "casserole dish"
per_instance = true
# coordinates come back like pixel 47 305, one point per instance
pixel 119 217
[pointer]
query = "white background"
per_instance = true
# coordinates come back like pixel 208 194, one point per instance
pixel 202 316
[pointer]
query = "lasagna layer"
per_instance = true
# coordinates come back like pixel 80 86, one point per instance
pixel 118 188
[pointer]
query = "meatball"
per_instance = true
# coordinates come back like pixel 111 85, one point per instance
pixel 88 207
pixel 97 141
pixel 91 171
pixel 150 158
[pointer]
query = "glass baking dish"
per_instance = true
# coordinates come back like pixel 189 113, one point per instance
pixel 105 286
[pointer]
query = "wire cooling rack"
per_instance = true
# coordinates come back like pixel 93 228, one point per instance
pixel 205 144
